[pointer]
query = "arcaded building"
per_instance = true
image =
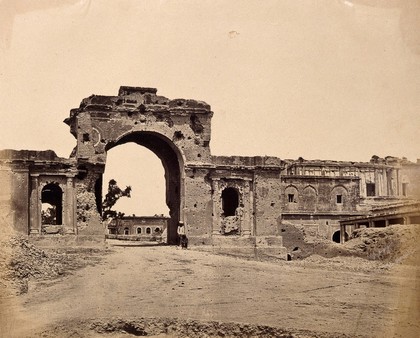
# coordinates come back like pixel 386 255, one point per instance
pixel 222 200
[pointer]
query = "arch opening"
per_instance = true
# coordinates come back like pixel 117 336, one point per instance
pixel 172 162
pixel 337 236
pixel 52 205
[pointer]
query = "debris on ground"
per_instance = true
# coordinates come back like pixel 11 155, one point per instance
pixel 23 261
pixel 176 328
pixel 389 244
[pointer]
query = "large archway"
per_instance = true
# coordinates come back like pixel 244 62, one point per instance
pixel 136 166
pixel 173 165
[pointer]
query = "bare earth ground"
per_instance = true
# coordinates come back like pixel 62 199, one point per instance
pixel 168 292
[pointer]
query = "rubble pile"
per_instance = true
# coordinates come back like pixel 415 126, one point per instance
pixel 301 242
pixel 24 261
pixel 394 243
pixel 174 327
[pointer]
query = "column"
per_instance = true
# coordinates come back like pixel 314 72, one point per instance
pixel 378 183
pixel 34 209
pixel 246 219
pixel 69 207
pixel 252 208
pixel 342 232
pixel 216 207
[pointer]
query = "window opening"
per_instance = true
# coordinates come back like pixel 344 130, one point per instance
pixel 148 230
pixel 291 198
pixel 339 199
pixel 370 189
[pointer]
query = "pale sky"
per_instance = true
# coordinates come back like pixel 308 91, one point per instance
pixel 321 79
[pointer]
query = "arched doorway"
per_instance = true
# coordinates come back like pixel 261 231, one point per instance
pixel 172 162
pixel 230 201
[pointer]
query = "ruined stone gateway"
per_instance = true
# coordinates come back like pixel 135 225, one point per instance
pixel 225 201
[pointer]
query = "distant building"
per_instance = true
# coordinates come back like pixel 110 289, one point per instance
pixel 145 227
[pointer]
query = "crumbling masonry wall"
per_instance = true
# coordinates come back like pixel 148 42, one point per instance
pixel 227 201
pixel 23 175
pixel 177 131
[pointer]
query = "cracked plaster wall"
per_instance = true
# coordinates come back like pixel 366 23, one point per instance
pixel 88 218
pixel 198 205
pixel 267 203
pixel 14 196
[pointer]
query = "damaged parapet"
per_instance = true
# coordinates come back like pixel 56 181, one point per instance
pixel 136 109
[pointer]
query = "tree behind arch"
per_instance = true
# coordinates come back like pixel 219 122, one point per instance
pixel 113 195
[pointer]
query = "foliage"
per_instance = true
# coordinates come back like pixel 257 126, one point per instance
pixel 113 195
pixel 49 215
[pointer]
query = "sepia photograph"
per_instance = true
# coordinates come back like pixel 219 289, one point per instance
pixel 193 169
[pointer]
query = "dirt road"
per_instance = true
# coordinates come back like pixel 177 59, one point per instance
pixel 166 282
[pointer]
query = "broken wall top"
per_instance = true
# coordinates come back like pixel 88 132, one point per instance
pixel 178 128
pixel 247 161
pixel 39 155
pixel 139 99
pixel 375 161
pixel 37 161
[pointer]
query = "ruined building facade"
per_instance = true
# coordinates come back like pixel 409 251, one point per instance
pixel 223 200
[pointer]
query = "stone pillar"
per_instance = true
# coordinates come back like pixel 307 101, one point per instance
pixel 216 207
pixel 251 208
pixel 342 233
pixel 386 182
pixel 69 207
pixel 246 219
pixel 362 186
pixel 386 222
pixel 34 209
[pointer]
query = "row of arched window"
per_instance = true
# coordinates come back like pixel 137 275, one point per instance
pixel 141 230
pixel 309 194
